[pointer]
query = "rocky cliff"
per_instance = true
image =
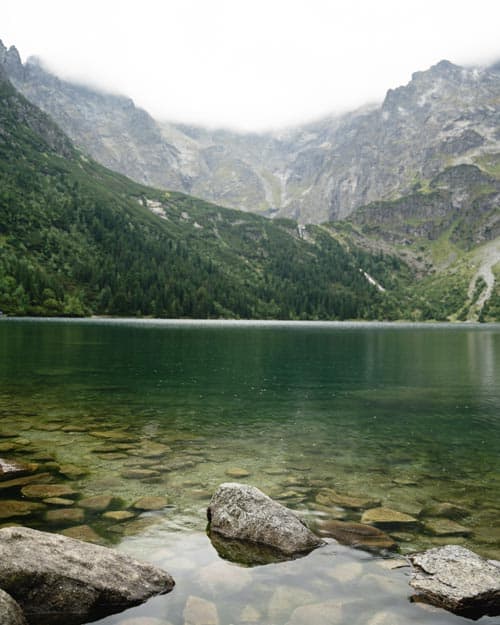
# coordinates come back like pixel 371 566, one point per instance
pixel 445 116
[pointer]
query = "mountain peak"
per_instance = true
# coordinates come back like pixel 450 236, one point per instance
pixel 10 59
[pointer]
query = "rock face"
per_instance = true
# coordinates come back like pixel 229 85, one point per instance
pixel 10 612
pixel 314 172
pixel 60 580
pixel 245 513
pixel 458 580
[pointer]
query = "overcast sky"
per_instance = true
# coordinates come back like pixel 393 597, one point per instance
pixel 250 64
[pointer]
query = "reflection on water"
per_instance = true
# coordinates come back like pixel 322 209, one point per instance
pixel 406 416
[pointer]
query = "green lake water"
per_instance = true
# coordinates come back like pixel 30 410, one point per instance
pixel 407 416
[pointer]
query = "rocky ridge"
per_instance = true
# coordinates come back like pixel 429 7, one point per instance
pixel 445 116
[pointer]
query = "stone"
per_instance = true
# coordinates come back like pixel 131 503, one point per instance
pixel 284 600
pixel 346 572
pixel 116 455
pixel 43 491
pixel 150 503
pixel 237 472
pixel 23 481
pixel 199 611
pixel 13 508
pixel 7 447
pixel 10 611
pixel 446 527
pixel 48 427
pixel 65 516
pixel 71 471
pixel 132 528
pixel 139 474
pixel 82 532
pixel 150 449
pixel 111 449
pixel 11 469
pixel 116 436
pixel 458 580
pixel 98 503
pixel 118 515
pixel 356 535
pixel 74 428
pixel 445 509
pixel 387 517
pixel 71 580
pixel 384 617
pixel 326 613
pixel 58 501
pixel 223 577
pixel 330 497
pixel 8 434
pixel 244 512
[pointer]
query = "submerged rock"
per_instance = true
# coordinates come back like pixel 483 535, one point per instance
pixel 139 474
pixel 198 611
pixel 97 503
pixel 83 532
pixel 458 580
pixel 446 527
pixel 71 471
pixel 237 472
pixel 11 469
pixel 356 535
pixel 45 491
pixel 330 497
pixel 245 513
pixel 150 503
pixel 13 508
pixel 446 510
pixel 326 613
pixel 22 481
pixel 65 516
pixel 387 517
pixel 10 611
pixel 67 581
pixel 118 515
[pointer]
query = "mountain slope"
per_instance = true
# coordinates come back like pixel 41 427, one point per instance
pixel 445 116
pixel 76 238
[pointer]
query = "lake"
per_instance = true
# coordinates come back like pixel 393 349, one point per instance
pixel 320 416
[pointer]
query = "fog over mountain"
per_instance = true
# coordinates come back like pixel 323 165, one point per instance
pixel 446 115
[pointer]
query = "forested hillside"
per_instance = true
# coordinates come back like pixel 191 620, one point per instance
pixel 77 239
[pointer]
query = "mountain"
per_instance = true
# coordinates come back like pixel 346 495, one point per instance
pixel 445 116
pixel 79 239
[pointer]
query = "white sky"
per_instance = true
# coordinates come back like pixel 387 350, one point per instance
pixel 250 64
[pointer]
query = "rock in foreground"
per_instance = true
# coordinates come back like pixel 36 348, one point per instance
pixel 245 513
pixel 458 580
pixel 57 579
pixel 10 612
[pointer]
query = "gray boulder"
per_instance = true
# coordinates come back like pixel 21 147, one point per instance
pixel 57 579
pixel 458 580
pixel 10 612
pixel 239 511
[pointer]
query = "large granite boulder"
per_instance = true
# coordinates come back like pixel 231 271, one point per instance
pixel 458 580
pixel 10 611
pixel 60 580
pixel 239 511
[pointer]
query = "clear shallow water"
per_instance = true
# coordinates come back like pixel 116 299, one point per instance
pixel 405 415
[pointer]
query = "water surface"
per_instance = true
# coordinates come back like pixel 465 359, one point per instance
pixel 405 415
